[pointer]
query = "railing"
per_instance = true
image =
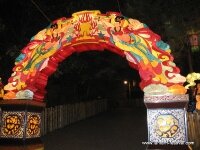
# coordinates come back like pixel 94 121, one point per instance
pixel 194 130
pixel 59 116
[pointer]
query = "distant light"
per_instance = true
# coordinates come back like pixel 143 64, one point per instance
pixel 125 82
pixel 134 83
pixel 194 41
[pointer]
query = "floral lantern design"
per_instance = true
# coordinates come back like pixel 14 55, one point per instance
pixel 91 30
pixel 161 81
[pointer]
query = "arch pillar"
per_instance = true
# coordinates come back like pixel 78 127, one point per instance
pixel 167 121
pixel 20 124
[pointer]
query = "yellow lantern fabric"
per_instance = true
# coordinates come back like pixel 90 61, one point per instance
pixel 91 30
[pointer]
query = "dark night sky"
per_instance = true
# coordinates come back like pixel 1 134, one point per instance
pixel 21 19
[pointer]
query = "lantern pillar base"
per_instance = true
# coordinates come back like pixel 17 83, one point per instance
pixel 167 122
pixel 20 123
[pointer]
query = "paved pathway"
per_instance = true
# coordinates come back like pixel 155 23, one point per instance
pixel 123 129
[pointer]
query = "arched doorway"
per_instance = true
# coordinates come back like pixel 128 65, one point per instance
pixel 129 38
pixel 93 75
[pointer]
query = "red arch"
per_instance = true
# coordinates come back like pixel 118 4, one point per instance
pixel 91 30
pixel 60 56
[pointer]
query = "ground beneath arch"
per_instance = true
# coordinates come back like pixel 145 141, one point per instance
pixel 122 129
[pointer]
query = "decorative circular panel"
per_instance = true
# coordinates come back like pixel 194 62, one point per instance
pixel 33 125
pixel 12 124
pixel 166 126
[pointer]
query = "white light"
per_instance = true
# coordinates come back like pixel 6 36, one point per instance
pixel 125 82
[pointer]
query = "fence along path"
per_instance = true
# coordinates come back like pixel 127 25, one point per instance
pixel 62 115
pixel 194 129
pixel 59 116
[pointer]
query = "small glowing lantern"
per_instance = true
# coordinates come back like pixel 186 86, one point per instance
pixel 193 39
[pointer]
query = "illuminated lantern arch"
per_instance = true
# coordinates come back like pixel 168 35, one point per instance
pixel 91 30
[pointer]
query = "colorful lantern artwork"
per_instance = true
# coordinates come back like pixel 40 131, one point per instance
pixel 191 78
pixel 198 97
pixel 166 126
pixel 91 30
pixel 1 89
pixel 33 125
pixel 13 124
pixel 18 123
